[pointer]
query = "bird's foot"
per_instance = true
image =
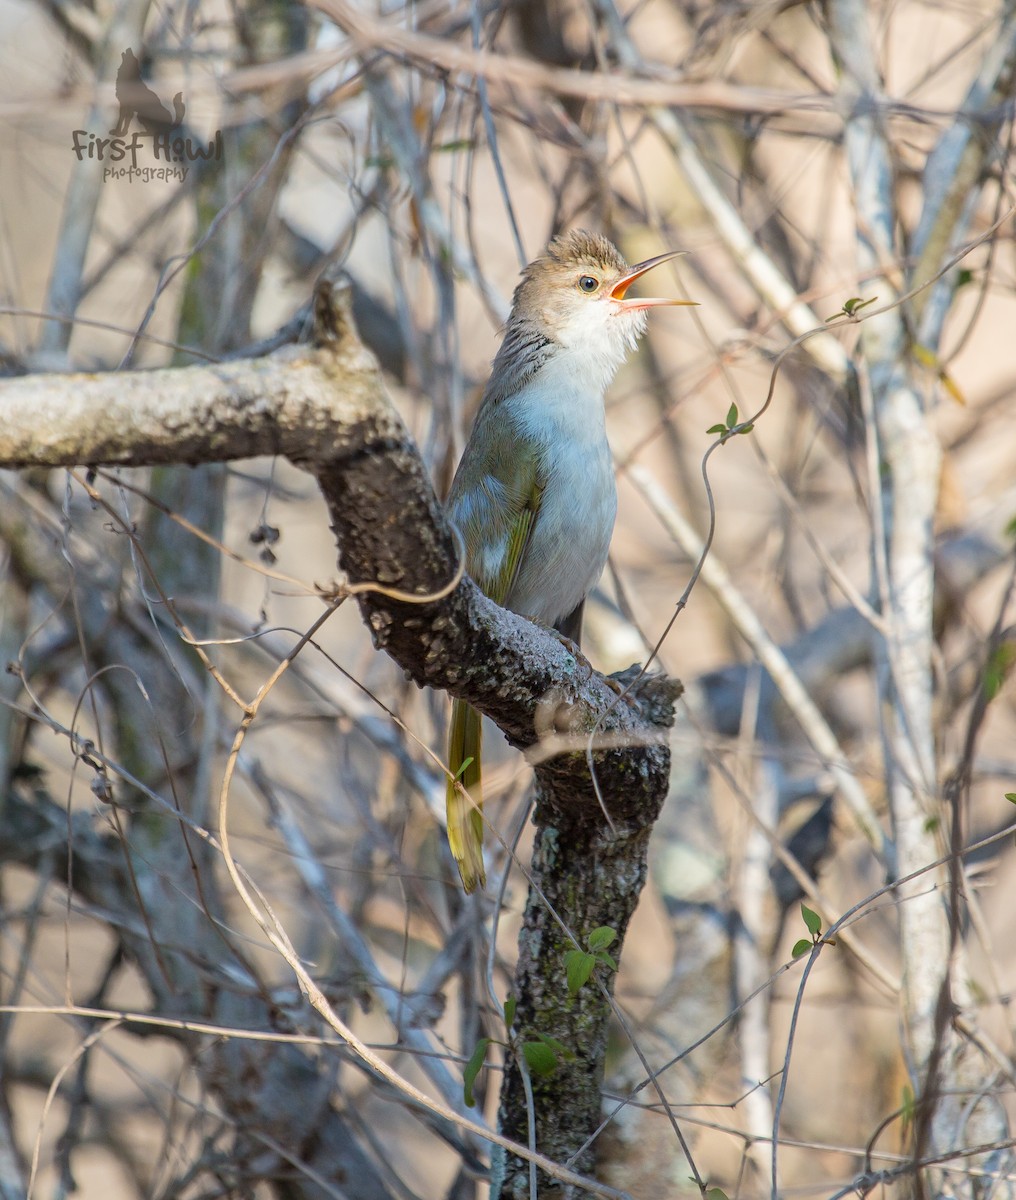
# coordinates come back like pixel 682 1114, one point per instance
pixel 575 650
pixel 623 690
pixel 622 686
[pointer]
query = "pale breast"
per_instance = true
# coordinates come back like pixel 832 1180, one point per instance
pixel 571 538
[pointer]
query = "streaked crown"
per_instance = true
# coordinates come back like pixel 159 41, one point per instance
pixel 569 259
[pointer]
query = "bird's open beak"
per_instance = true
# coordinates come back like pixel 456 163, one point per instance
pixel 617 292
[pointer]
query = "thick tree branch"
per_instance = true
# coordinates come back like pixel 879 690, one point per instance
pixel 298 402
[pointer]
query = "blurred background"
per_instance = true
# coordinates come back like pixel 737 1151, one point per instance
pixel 846 649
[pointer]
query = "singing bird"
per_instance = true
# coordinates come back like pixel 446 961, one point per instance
pixel 534 495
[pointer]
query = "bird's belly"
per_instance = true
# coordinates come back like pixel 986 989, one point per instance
pixel 571 537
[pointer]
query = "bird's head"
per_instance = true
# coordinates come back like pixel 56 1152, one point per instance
pixel 576 294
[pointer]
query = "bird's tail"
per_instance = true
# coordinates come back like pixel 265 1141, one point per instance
pixel 464 814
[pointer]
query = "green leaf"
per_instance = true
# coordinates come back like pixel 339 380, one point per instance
pixel 745 429
pixel 1010 527
pixel 801 947
pixel 907 1106
pixel 540 1058
pixel 559 1048
pixel 510 1006
pixel 716 1193
pixel 472 1069
pixel 723 429
pixel 465 763
pixel 852 307
pixel 812 920
pixel 732 416
pixel 601 938
pixel 1011 797
pixel 963 277
pixel 447 147
pixel 579 966
pixel 997 668
pixel 607 960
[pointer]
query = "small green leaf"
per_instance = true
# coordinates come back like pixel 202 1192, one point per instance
pixel 745 429
pixel 716 1193
pixel 852 307
pixel 472 1069
pixel 466 762
pixel 447 147
pixel 801 947
pixel 540 1058
pixel 579 966
pixel 723 429
pixel 1011 797
pixel 601 938
pixel 907 1106
pixel 510 1006
pixel 997 668
pixel 607 960
pixel 732 416
pixel 963 277
pixel 559 1048
pixel 1010 527
pixel 812 920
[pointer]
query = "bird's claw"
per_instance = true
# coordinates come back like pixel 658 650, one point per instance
pixel 624 691
pixel 575 651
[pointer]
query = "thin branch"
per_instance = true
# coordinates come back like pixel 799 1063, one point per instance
pixel 813 724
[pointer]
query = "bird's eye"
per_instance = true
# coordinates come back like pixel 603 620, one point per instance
pixel 588 283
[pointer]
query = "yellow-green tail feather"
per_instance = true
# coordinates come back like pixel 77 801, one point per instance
pixel 465 819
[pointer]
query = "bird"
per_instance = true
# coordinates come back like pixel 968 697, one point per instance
pixel 533 496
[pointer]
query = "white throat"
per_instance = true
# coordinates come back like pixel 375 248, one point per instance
pixel 565 396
